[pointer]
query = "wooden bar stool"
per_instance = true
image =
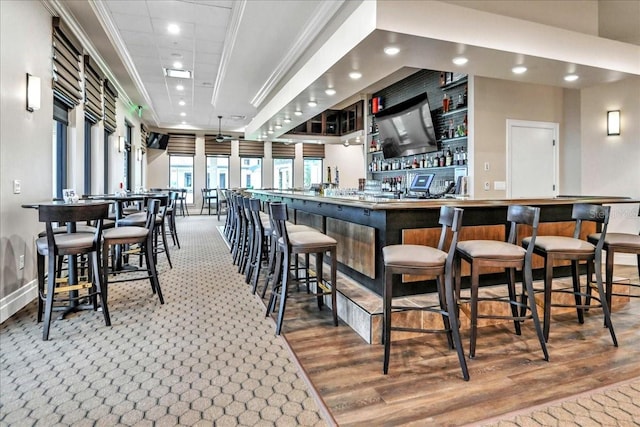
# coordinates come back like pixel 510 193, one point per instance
pixel 574 249
pixel 290 245
pixel 508 255
pixel 428 261
pixel 625 243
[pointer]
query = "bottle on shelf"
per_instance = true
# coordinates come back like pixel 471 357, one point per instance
pixel 451 129
pixel 328 173
pixel 441 160
pixel 415 164
pixel 448 159
pixel 464 156
pixel 445 103
pixel 464 125
pixel 456 156
pixel 372 146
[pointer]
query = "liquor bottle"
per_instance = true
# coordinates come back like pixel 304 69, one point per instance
pixel 372 147
pixel 422 162
pixel 464 97
pixel 464 125
pixel 328 173
pixel 445 103
pixel 415 164
pixel 441 160
pixel 456 156
pixel 337 177
pixel 464 156
pixel 448 157
pixel 451 129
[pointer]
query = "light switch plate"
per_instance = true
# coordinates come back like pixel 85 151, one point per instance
pixel 16 186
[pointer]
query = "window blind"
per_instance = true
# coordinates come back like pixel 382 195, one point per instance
pixel 66 51
pixel 92 91
pixel 110 95
pixel 183 144
pixel 213 148
pixel 280 150
pixel 251 149
pixel 315 151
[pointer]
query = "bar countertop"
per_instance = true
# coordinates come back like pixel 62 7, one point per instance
pixel 381 203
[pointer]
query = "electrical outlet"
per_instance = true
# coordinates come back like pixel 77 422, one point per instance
pixel 487 186
pixel 16 186
pixel 21 262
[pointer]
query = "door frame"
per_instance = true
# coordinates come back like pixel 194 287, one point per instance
pixel 555 128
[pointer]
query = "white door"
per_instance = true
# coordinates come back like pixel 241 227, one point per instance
pixel 532 159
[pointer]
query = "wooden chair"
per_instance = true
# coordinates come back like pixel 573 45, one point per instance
pixel 574 249
pixel 428 261
pixel 70 244
pixel 209 196
pixel 291 245
pixel 508 255
pixel 133 235
pixel 625 243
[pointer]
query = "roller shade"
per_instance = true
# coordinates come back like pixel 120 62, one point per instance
pixel 214 148
pixel 110 95
pixel 92 91
pixel 315 151
pixel 280 150
pixel 144 135
pixel 66 51
pixel 182 144
pixel 251 149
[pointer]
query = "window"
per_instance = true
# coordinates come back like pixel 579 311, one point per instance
pixel 181 174
pixel 217 171
pixel 105 184
pixel 312 172
pixel 87 156
pixel 60 167
pixel 251 172
pixel 283 173
pixel 128 158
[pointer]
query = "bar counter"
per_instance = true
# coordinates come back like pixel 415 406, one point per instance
pixel 364 225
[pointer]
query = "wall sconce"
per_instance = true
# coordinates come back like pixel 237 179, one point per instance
pixel 613 122
pixel 33 93
pixel 120 144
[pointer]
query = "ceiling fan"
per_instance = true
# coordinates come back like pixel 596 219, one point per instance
pixel 220 137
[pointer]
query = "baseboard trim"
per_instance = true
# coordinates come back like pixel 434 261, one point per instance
pixel 16 300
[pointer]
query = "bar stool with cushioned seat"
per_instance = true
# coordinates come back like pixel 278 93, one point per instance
pixel 428 261
pixel 54 245
pixel 508 255
pixel 131 235
pixel 553 248
pixel 290 245
pixel 625 243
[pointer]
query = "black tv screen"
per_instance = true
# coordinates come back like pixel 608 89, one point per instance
pixel 157 140
pixel 407 129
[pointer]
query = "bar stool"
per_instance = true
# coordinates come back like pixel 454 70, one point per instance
pixel 69 244
pixel 425 260
pixel 290 245
pixel 507 255
pixel 171 217
pixel 131 235
pixel 625 243
pixel 553 248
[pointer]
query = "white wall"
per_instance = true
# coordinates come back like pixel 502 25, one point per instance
pixel 350 162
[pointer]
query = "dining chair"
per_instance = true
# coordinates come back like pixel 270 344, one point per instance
pixel 70 244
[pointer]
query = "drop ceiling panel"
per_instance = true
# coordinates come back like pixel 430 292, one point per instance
pixel 138 23
pixel 139 39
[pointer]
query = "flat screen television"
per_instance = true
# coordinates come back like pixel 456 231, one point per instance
pixel 406 129
pixel 157 140
pixel 421 183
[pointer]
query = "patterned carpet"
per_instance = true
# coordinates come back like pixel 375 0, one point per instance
pixel 206 357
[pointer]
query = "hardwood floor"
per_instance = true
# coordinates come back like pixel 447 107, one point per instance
pixel 425 385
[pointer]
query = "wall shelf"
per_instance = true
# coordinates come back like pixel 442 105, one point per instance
pixel 456 111
pixel 398 171
pixel 454 84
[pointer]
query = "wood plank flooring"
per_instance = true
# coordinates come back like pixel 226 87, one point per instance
pixel 425 385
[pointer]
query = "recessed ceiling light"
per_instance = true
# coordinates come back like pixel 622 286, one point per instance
pixel 183 114
pixel 519 69
pixel 184 123
pixel 173 29
pixel 278 126
pixel 180 87
pixel 179 74
pixel 355 75
pixel 298 113
pixel 287 120
pixel 571 77
pixel 391 50
pixel 182 103
pixel 331 91
pixel 460 60
pixel 177 64
pixel 312 103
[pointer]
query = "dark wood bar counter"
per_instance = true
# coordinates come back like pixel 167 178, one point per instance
pixel 364 225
